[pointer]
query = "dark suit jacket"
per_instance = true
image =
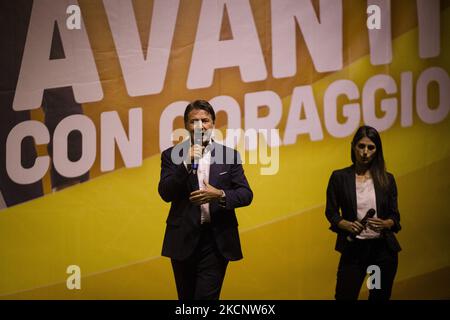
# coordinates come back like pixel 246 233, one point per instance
pixel 341 196
pixel 183 222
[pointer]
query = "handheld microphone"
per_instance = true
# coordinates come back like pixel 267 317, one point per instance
pixel 198 140
pixel 370 213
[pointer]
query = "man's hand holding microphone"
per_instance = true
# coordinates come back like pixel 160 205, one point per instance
pixel 208 192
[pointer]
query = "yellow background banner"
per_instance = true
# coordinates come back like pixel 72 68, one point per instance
pixel 112 225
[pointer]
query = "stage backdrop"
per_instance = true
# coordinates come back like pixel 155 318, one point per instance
pixel 92 91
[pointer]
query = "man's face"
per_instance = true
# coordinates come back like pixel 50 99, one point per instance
pixel 203 118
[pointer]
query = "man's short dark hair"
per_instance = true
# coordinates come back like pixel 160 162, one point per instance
pixel 199 105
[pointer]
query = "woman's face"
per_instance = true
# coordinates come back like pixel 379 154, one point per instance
pixel 365 151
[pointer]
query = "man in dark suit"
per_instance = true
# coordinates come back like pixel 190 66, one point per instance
pixel 201 232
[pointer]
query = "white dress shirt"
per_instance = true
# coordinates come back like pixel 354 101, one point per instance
pixel 203 175
pixel 365 200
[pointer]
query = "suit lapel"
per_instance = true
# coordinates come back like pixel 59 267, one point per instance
pixel 378 196
pixel 351 187
pixel 192 179
pixel 214 168
pixel 193 215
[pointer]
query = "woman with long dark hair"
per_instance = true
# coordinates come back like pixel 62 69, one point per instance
pixel 362 209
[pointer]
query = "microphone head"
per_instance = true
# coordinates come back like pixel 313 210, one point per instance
pixel 198 134
pixel 198 140
pixel 370 213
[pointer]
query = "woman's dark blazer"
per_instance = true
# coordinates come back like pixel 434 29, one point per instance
pixel 341 204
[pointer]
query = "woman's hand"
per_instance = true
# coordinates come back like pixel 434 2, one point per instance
pixel 354 227
pixel 378 225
